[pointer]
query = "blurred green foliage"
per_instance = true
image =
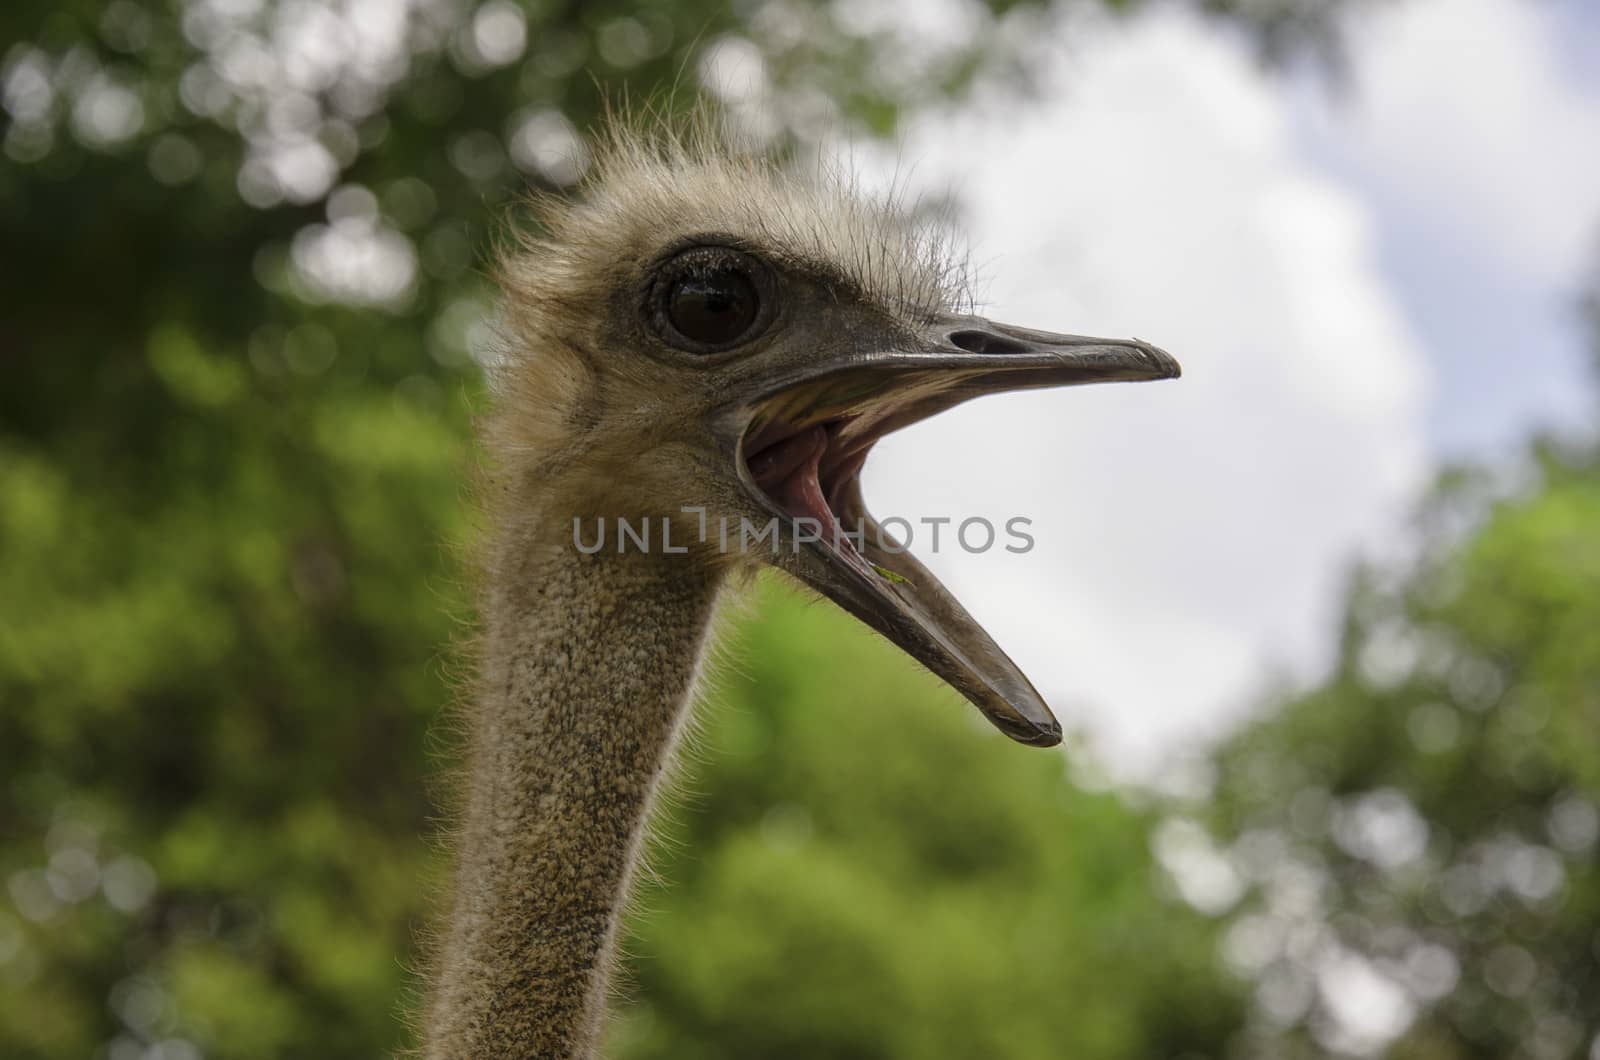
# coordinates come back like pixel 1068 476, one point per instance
pixel 869 871
pixel 1424 829
pixel 242 249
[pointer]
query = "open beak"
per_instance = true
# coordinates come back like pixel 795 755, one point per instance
pixel 799 443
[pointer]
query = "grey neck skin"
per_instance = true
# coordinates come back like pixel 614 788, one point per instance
pixel 587 665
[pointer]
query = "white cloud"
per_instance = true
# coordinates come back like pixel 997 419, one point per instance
pixel 1461 110
pixel 1190 534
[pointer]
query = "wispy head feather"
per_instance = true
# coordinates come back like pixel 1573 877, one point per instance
pixel 651 176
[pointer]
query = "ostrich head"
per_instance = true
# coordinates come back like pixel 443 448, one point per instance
pixel 711 340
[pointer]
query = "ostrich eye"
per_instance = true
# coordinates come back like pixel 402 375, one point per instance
pixel 715 309
pixel 711 298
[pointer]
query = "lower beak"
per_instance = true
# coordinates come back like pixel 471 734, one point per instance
pixel 799 445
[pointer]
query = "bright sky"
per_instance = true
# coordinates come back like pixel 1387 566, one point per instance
pixel 1356 287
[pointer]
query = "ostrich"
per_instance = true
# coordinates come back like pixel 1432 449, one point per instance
pixel 697 344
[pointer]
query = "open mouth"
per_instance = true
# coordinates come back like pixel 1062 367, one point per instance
pixel 803 453
pixel 804 473
pixel 807 445
pixel 800 448
pixel 810 474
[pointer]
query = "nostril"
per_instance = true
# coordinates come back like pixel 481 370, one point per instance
pixel 974 341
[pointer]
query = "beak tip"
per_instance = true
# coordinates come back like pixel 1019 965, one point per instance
pixel 1050 737
pixel 1163 363
pixel 1030 732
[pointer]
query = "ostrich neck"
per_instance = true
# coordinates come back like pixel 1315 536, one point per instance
pixel 588 663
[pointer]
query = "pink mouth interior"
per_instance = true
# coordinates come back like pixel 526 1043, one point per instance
pixel 807 472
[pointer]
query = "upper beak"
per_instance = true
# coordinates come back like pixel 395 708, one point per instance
pixel 799 441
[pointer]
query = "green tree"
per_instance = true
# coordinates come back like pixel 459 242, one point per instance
pixel 1422 832
pixel 870 873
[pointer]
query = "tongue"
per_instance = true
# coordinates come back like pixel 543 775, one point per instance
pixel 787 472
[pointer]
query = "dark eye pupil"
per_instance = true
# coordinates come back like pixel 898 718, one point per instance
pixel 715 308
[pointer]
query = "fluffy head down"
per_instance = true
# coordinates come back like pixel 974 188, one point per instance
pixel 570 392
